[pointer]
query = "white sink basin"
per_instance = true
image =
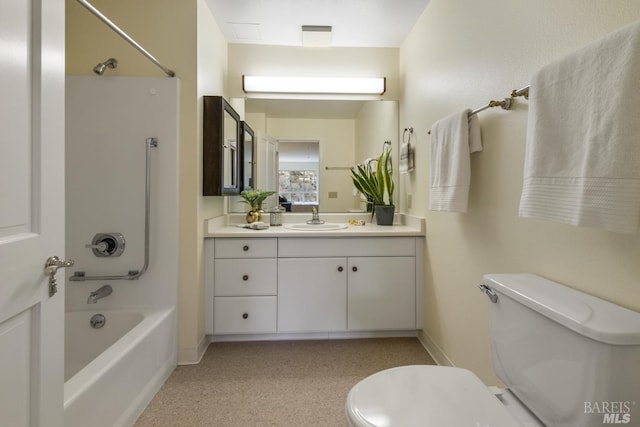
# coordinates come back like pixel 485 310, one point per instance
pixel 327 226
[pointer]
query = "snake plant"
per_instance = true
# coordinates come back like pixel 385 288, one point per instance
pixel 374 178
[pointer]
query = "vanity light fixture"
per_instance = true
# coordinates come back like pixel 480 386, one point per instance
pixel 315 85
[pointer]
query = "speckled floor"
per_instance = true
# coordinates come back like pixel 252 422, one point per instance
pixel 275 383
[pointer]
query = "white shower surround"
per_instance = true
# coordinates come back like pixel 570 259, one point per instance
pixel 108 120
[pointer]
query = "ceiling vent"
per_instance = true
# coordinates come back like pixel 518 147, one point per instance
pixel 316 35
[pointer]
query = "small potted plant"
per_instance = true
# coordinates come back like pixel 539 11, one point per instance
pixel 375 181
pixel 254 199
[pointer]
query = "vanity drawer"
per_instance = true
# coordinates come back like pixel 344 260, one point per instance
pixel 244 277
pixel 347 246
pixel 246 248
pixel 244 315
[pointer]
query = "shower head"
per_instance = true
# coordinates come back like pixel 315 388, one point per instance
pixel 111 63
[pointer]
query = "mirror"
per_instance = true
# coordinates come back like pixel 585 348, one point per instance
pixel 248 137
pixel 222 169
pixel 346 132
pixel 298 171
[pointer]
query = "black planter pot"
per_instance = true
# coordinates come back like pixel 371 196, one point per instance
pixel 384 214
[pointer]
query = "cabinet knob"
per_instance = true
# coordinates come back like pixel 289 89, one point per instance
pixel 340 268
pixel 245 315
pixel 354 268
pixel 245 248
pixel 245 277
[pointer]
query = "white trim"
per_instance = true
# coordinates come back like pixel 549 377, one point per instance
pixel 193 356
pixel 314 336
pixel 437 354
pixel 209 258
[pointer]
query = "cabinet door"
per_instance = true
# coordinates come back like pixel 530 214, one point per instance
pixel 312 294
pixel 381 293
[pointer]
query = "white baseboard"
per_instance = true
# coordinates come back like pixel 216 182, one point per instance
pixel 314 336
pixel 193 356
pixel 434 350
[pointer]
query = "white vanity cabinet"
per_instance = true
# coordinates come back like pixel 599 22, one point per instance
pixel 245 286
pixel 370 287
pixel 297 287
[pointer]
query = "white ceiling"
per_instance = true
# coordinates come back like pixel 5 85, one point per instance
pixel 356 23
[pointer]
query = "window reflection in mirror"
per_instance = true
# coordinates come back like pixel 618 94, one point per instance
pixel 298 167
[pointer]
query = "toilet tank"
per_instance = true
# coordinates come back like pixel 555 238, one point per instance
pixel 571 358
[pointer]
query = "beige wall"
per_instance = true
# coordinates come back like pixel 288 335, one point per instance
pixel 376 123
pixel 459 55
pixel 267 60
pixel 184 37
pixel 211 78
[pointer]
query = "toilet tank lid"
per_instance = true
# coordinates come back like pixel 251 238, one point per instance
pixel 583 313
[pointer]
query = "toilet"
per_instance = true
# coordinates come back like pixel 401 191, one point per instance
pixel 568 359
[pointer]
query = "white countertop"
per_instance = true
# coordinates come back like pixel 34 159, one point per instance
pixel 404 225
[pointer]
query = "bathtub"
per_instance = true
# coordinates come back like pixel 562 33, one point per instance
pixel 112 373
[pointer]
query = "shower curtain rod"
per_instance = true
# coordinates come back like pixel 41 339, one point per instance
pixel 125 36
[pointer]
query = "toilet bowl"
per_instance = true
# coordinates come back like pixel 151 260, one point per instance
pixel 551 345
pixel 426 396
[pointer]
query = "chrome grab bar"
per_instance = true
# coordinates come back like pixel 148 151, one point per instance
pixel 493 296
pixel 80 276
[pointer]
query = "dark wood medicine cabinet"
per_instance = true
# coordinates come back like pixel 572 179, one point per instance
pixel 228 153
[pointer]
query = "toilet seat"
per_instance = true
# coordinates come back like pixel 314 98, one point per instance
pixel 426 396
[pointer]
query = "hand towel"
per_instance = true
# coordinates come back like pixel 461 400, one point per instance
pixel 406 153
pixel 406 158
pixel 453 139
pixel 582 161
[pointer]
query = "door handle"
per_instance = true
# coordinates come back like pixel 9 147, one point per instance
pixel 51 267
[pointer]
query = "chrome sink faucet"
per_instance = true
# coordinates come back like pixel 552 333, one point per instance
pixel 104 291
pixel 315 217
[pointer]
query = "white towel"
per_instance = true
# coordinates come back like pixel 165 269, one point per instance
pixel 453 139
pixel 582 164
pixel 406 158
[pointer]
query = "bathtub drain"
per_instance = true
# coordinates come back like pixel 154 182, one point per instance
pixel 97 321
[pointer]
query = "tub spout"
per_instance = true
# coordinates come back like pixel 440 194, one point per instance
pixel 104 291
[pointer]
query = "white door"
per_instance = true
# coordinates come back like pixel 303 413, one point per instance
pixel 31 211
pixel 267 163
